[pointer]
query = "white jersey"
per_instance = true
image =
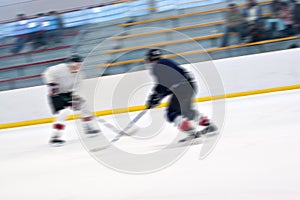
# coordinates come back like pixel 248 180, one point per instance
pixel 61 75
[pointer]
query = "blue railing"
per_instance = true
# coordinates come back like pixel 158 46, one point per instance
pixel 97 14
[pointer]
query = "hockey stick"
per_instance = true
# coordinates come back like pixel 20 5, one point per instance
pixel 109 125
pixel 123 132
pixel 112 127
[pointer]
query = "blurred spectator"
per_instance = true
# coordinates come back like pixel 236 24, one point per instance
pixel 252 12
pixel 286 15
pixel 38 37
pixel 22 34
pixel 253 15
pixel 256 32
pixel 57 26
pixel 274 25
pixel 296 17
pixel 235 22
pixel 275 7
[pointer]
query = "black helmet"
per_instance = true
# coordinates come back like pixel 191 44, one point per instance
pixel 74 58
pixel 153 54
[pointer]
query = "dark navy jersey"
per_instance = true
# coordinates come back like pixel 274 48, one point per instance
pixel 168 73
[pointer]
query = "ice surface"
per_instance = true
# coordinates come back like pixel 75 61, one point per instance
pixel 257 157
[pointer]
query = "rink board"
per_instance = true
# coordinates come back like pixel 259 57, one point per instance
pixel 241 76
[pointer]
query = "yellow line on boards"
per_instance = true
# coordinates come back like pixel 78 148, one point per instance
pixel 138 108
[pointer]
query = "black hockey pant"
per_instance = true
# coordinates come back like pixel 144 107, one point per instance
pixel 60 102
pixel 181 102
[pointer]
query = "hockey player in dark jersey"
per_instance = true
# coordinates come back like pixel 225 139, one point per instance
pixel 174 80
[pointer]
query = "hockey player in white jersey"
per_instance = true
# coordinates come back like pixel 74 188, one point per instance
pixel 63 81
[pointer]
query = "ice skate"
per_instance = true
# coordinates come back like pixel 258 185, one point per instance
pixel 203 121
pixel 56 141
pixel 208 130
pixel 90 130
pixel 190 127
pixel 90 126
pixel 209 127
pixel 193 134
pixel 184 125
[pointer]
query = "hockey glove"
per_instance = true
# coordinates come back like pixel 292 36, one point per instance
pixel 76 102
pixel 153 100
pixel 53 89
